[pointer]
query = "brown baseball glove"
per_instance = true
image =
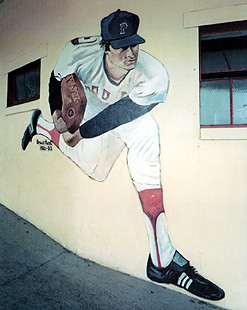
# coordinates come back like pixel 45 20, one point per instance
pixel 74 102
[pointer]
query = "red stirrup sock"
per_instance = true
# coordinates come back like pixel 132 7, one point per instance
pixel 52 134
pixel 152 205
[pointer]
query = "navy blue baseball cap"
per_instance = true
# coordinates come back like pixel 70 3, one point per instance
pixel 120 29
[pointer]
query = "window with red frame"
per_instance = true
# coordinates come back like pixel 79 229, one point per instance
pixel 24 84
pixel 223 75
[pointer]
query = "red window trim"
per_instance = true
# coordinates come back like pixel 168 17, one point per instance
pixel 224 126
pixel 223 28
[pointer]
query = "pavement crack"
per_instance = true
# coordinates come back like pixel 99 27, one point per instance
pixel 35 268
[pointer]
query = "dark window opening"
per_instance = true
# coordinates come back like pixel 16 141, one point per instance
pixel 24 84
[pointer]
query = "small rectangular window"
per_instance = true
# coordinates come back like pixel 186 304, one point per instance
pixel 223 75
pixel 24 84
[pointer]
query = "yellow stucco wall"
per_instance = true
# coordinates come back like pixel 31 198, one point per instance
pixel 203 173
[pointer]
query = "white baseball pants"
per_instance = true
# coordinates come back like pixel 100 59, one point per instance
pixel 96 156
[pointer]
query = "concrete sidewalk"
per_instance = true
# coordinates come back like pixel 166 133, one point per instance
pixel 37 273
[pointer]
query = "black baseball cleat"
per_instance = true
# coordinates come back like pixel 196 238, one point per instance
pixel 30 130
pixel 184 276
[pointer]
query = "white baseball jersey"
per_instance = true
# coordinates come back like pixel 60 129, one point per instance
pixel 140 90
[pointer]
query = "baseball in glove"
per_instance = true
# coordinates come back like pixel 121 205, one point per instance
pixel 74 102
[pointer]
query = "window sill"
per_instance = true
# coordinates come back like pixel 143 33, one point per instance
pixel 21 108
pixel 239 133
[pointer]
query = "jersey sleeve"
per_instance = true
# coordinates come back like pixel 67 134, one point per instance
pixel 119 113
pixel 151 82
pixel 75 55
pixel 150 88
pixel 55 97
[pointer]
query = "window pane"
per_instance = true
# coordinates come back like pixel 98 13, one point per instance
pixel 215 103
pixel 213 62
pixel 237 59
pixel 239 94
pixel 30 84
pixel 38 81
pixel 20 87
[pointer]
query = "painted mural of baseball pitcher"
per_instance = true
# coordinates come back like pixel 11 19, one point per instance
pixel 108 88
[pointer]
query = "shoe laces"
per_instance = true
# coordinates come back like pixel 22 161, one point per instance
pixel 192 270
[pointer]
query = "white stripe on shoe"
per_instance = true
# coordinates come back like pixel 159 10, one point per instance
pixel 180 279
pixel 188 284
pixel 184 281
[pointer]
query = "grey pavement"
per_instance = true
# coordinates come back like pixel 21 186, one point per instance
pixel 38 273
